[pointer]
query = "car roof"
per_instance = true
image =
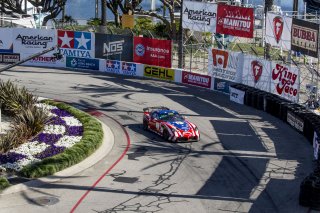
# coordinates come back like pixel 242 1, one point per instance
pixel 165 111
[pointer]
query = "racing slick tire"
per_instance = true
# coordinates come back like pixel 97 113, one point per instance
pixel 145 125
pixel 165 135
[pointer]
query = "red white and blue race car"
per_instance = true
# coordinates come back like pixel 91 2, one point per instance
pixel 169 124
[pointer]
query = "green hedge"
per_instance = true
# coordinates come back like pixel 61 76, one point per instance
pixel 91 140
pixel 4 183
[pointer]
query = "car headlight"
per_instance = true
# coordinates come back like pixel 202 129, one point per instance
pixel 196 129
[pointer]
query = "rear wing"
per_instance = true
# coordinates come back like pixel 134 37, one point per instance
pixel 148 109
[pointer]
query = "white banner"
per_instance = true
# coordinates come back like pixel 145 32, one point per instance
pixel 236 95
pixel 6 40
pixel 26 40
pixel 256 72
pixel 285 81
pixel 315 145
pixel 225 65
pixel 199 16
pixel 76 44
pixel 278 30
pixel 46 60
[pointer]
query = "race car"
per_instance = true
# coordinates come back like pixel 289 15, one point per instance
pixel 169 124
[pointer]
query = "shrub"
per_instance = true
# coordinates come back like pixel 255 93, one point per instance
pixel 4 183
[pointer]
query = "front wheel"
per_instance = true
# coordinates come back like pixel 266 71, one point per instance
pixel 165 135
pixel 145 125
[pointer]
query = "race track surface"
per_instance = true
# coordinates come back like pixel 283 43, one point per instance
pixel 246 161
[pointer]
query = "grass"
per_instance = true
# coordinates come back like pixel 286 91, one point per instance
pixel 91 140
pixel 4 183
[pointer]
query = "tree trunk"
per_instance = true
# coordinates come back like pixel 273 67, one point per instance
pixel 103 13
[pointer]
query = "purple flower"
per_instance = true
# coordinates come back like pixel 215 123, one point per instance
pixel 74 130
pixel 61 113
pixel 49 139
pixel 11 157
pixel 56 121
pixel 50 151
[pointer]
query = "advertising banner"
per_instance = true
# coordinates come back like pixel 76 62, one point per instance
pixel 315 145
pixel 9 57
pixel 236 21
pixel 76 44
pixel 221 85
pixel 159 72
pixel 113 66
pixel 295 121
pixel 304 37
pixel 225 65
pixel 128 68
pixel 26 40
pixel 196 79
pixel 82 63
pixel 6 40
pixel 285 81
pixel 256 72
pixel 46 60
pixel 114 47
pixel 236 95
pixel 199 16
pixel 278 30
pixel 152 51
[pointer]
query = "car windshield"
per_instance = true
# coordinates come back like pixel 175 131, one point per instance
pixel 170 116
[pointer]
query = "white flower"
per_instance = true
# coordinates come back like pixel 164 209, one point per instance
pixel 54 129
pixel 45 106
pixel 30 148
pixel 68 141
pixel 71 121
pixel 20 163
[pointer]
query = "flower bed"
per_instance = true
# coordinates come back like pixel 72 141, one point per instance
pixel 69 137
pixel 62 131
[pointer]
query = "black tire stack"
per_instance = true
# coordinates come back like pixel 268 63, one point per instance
pixel 310 191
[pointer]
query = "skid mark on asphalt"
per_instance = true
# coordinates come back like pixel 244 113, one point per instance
pixel 157 199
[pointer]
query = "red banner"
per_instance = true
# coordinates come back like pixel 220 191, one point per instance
pixel 196 79
pixel 236 21
pixel 152 51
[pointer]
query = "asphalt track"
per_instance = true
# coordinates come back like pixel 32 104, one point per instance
pixel 246 161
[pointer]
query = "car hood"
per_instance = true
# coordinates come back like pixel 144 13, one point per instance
pixel 182 125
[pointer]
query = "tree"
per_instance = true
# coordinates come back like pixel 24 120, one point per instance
pixel 125 6
pixel 50 8
pixel 170 23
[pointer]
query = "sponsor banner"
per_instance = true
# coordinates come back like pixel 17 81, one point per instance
pixel 256 72
pixel 26 40
pixel 236 95
pixel 114 47
pixel 225 65
pixel 278 30
pixel 304 37
pixel 199 16
pixel 196 79
pixel 159 72
pixel 82 63
pixel 129 68
pixel 315 146
pixel 76 44
pixel 221 85
pixel 6 40
pixel 152 51
pixel 46 60
pixel 236 21
pixel 113 66
pixel 295 121
pixel 285 81
pixel 9 57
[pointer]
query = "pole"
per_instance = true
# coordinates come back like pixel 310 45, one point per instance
pixel 180 41
pixel 96 9
pixel 26 59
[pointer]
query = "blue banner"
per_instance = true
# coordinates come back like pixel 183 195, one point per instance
pixel 221 85
pixel 83 63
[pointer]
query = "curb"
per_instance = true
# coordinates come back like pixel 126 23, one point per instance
pixel 101 152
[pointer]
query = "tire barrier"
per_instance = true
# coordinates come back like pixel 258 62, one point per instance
pixel 309 195
pixel 300 118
